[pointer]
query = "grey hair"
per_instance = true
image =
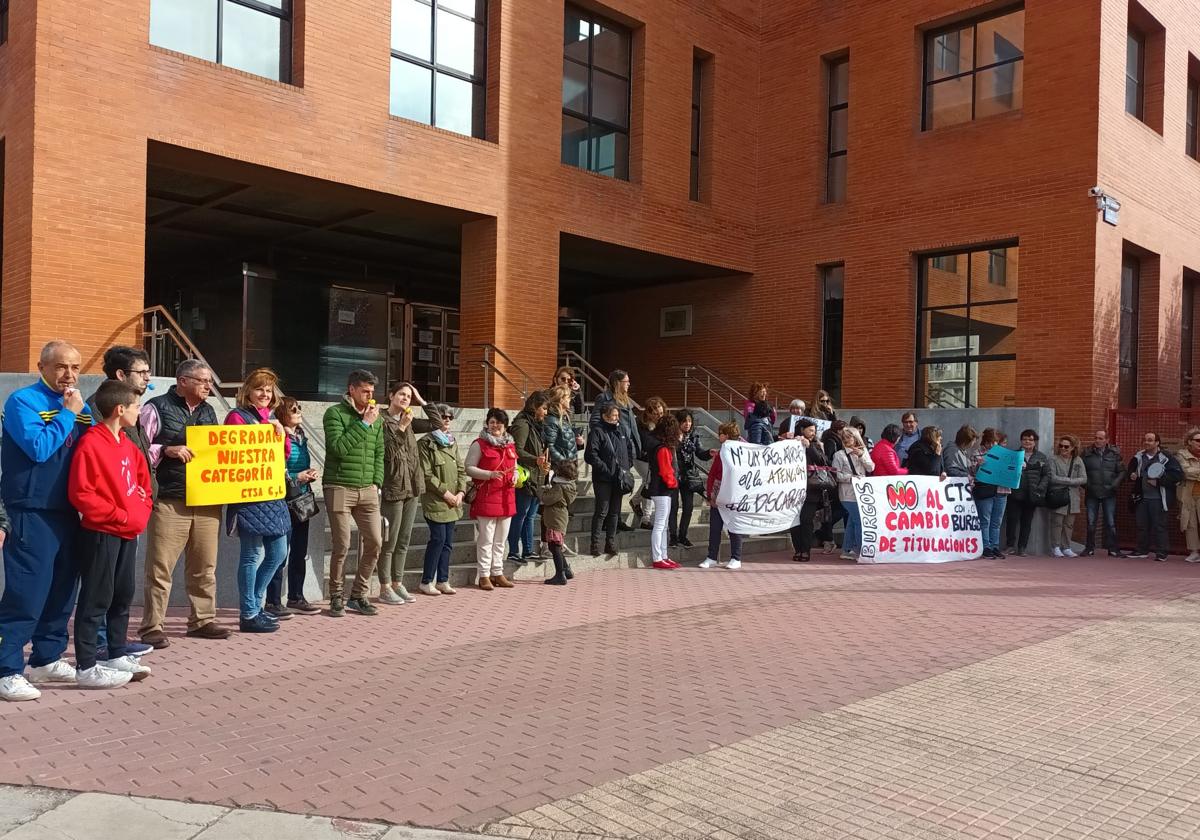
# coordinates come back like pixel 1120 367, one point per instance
pixel 442 409
pixel 189 367
pixel 50 348
pixel 798 404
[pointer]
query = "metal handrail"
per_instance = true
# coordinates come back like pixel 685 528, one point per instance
pixel 938 396
pixel 487 364
pixel 184 344
pixel 591 374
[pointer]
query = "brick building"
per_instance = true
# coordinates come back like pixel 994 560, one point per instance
pixel 887 198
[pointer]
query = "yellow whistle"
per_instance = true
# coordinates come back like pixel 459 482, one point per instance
pixel 370 402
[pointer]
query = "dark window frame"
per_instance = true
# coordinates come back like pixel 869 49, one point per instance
pixel 931 37
pixel 831 152
pixel 286 33
pixel 1187 338
pixel 697 126
pixel 434 68
pixel 939 262
pixel 1138 81
pixel 3 21
pixel 924 262
pixel 998 266
pixel 589 119
pixel 831 356
pixel 1128 305
pixel 1191 120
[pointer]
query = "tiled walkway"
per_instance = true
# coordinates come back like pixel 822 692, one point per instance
pixel 464 711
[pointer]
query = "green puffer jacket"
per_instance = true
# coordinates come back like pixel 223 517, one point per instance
pixel 443 469
pixel 353 450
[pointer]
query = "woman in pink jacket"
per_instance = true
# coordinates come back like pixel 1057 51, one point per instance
pixel 887 462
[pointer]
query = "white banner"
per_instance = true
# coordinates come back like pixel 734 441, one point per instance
pixel 762 487
pixel 917 519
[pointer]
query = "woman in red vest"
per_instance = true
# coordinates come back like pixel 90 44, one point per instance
pixel 491 464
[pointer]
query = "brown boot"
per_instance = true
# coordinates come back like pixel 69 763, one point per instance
pixel 501 582
pixel 485 583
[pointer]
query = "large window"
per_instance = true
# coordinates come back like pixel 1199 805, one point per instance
pixel 697 118
pixel 967 328
pixel 1187 337
pixel 1127 348
pixel 833 290
pixel 974 69
pixel 3 21
pixel 595 94
pixel 1135 73
pixel 838 104
pixel 439 63
pixel 1192 142
pixel 251 35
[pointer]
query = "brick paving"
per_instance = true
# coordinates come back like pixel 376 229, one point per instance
pixel 465 711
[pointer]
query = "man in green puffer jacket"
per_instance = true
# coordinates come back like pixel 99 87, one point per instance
pixel 353 475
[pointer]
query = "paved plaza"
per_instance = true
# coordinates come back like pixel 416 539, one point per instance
pixel 1019 698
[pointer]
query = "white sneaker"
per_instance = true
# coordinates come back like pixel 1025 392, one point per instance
pixel 428 589
pixel 445 588
pixel 1069 553
pixel 849 555
pixel 387 595
pixel 130 666
pixel 1194 557
pixel 734 564
pixel 15 688
pixel 100 677
pixel 60 671
pixel 708 563
pixel 1057 552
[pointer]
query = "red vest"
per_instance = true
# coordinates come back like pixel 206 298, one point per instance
pixel 496 497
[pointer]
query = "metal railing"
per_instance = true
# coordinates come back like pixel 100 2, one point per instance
pixel 717 386
pixel 936 397
pixel 591 374
pixel 490 369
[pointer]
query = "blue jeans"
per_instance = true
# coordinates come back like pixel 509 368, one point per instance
pixel 715 525
pixel 991 516
pixel 1094 507
pixel 520 532
pixel 759 433
pixel 852 538
pixel 437 551
pixel 261 557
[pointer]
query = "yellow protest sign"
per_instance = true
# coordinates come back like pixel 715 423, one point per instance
pixel 234 464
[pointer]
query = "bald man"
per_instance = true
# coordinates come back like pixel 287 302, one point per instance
pixel 42 422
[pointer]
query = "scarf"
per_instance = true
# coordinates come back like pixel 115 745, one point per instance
pixel 443 439
pixel 504 440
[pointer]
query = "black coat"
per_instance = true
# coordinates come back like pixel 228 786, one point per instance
pixel 625 418
pixel 609 452
pixel 922 460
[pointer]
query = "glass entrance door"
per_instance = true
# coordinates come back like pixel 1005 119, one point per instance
pixel 397 349
pixel 433 351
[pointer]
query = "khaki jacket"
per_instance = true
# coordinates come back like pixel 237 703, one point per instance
pixel 1189 505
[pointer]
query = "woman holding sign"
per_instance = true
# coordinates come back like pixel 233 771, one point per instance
pixel 262 528
pixel 821 481
pixel 851 461
pixel 990 499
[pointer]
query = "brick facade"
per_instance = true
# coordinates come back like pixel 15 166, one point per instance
pixel 75 158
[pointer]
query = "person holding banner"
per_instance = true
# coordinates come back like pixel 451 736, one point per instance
pixel 262 528
pixel 175 526
pixel 1066 477
pixel 664 487
pixel 789 426
pixel 850 462
pixel 821 482
pixel 925 456
pixel 716 523
pixel 990 499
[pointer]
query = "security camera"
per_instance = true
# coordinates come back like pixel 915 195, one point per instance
pixel 1096 192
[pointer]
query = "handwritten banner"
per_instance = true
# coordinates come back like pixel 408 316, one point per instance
pixel 822 425
pixel 234 464
pixel 917 519
pixel 1002 467
pixel 762 487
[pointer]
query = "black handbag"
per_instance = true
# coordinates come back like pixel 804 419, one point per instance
pixel 301 501
pixel 1060 496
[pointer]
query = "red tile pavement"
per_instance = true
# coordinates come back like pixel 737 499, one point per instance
pixel 460 710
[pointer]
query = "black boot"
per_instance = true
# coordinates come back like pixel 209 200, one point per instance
pixel 560 578
pixel 609 548
pixel 594 550
pixel 570 575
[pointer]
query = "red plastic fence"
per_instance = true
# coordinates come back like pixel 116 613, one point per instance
pixel 1126 428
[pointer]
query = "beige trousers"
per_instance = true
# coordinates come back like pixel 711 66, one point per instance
pixel 491 544
pixel 194 531
pixel 359 505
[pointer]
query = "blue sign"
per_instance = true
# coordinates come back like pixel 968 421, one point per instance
pixel 1001 467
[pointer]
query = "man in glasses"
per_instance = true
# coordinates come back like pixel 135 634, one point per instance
pixel 1105 472
pixel 132 366
pixel 1154 474
pixel 174 526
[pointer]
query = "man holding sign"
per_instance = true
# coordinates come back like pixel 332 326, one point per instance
pixel 175 526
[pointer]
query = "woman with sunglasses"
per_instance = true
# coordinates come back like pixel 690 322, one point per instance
pixel 299 470
pixel 442 500
pixel 564 377
pixel 823 407
pixel 1188 494
pixel 1066 470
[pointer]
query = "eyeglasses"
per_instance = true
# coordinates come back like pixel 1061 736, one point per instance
pixel 1195 440
pixel 826 399
pixel 145 372
pixel 1064 446
pixel 207 382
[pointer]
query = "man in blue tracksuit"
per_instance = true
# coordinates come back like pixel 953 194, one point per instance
pixel 42 422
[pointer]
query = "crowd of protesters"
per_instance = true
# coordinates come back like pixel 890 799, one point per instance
pixel 82 480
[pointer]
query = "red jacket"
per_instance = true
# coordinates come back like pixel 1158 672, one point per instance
pixel 106 474
pixel 887 462
pixel 496 497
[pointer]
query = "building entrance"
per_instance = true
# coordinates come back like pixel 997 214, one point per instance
pixel 423 348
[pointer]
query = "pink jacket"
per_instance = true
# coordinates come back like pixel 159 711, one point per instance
pixel 887 462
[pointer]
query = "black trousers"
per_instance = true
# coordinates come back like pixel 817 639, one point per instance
pixel 681 514
pixel 296 565
pixel 106 566
pixel 1020 520
pixel 607 511
pixel 1152 526
pixel 802 534
pixel 836 513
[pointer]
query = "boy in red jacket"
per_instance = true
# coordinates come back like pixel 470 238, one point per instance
pixel 110 487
